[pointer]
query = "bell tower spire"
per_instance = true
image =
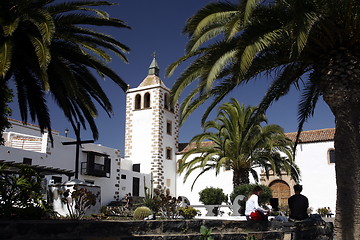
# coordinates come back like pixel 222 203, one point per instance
pixel 154 67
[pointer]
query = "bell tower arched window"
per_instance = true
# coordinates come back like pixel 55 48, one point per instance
pixel 137 101
pixel 147 100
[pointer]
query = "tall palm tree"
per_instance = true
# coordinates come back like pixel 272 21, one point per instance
pixel 54 49
pixel 240 143
pixel 314 42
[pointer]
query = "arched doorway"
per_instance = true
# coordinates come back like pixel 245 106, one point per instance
pixel 280 190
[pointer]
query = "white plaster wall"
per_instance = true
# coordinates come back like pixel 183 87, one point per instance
pixel 58 157
pixel 142 139
pixel 317 175
pixel 223 180
pixel 126 164
pixel 170 141
pixel 126 184
pixel 62 208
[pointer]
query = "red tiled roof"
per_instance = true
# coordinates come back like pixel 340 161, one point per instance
pixel 192 146
pixel 311 136
pixel 28 124
pixel 321 135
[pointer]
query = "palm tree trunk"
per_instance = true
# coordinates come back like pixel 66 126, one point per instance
pixel 347 143
pixel 240 176
pixel 341 91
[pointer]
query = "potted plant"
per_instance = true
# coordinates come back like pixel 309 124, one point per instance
pixel 213 196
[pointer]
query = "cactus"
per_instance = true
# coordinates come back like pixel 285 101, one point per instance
pixel 142 212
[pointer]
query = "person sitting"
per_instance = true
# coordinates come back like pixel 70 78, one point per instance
pixel 129 201
pixel 252 209
pixel 329 213
pixel 125 199
pixel 298 204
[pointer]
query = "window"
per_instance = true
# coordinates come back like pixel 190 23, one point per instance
pixel 107 166
pixel 137 101
pixel 56 179
pixel 97 164
pixel 147 100
pixel 168 153
pixel 136 167
pixel 331 156
pixel 27 161
pixel 123 176
pixel 169 127
pixel 166 101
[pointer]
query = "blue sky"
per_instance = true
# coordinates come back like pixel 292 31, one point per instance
pixel 157 26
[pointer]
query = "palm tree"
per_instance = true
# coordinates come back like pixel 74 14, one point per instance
pixel 314 42
pixel 240 143
pixel 49 48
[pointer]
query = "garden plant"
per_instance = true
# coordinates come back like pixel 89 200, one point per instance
pixel 22 194
pixel 78 201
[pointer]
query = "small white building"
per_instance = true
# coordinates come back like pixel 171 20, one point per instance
pixel 98 165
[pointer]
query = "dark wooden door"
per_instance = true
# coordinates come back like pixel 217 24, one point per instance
pixel 136 186
pixel 281 191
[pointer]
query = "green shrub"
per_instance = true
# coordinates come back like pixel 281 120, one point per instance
pixel 246 190
pixel 212 196
pixel 188 212
pixel 323 211
pixel 142 212
pixel 21 194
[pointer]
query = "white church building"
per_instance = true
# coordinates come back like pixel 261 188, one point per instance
pixel 152 151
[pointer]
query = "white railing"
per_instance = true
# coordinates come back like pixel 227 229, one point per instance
pixel 23 141
pixel 235 207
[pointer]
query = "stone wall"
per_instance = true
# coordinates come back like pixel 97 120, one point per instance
pixel 157 229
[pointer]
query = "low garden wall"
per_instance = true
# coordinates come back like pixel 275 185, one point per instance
pixel 159 229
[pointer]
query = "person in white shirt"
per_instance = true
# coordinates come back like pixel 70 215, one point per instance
pixel 252 209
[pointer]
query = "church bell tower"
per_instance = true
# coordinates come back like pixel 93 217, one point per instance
pixel 151 134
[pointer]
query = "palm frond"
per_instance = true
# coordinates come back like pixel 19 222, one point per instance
pixel 5 57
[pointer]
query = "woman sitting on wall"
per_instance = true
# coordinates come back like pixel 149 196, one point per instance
pixel 252 209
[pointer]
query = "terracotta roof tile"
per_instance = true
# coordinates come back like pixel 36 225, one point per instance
pixel 320 135
pixel 151 80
